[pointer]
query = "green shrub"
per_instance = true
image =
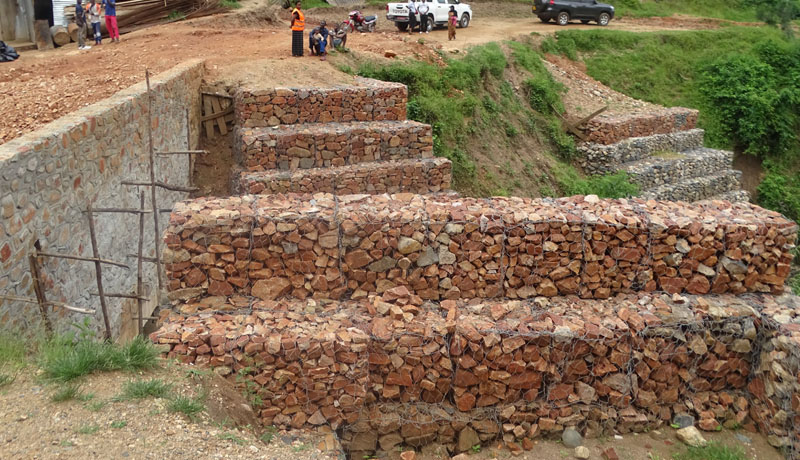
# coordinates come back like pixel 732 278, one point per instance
pixel 608 186
pixel 66 392
pixel 186 405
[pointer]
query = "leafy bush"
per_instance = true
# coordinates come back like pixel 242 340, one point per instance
pixel 608 186
pixel 780 190
pixel 779 13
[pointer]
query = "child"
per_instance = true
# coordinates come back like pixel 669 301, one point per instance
pixel 80 21
pixel 452 20
pixel 93 11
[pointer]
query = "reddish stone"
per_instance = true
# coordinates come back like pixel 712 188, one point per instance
pixel 699 284
pixel 220 288
pixel 5 252
pixel 610 454
pixel 465 402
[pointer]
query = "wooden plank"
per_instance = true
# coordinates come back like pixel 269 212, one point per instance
pixel 209 117
pixel 214 116
pixel 223 129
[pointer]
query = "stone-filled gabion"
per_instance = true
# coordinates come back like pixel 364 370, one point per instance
pixel 318 145
pixel 367 100
pixel 410 176
pixel 445 247
pixel 608 129
pixel 608 158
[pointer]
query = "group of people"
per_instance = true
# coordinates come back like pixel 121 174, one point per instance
pixel 421 7
pixel 90 14
pixel 319 38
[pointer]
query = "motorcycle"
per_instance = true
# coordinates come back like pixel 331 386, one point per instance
pixel 361 23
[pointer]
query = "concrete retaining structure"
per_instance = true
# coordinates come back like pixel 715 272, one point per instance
pixel 445 247
pixel 50 176
pixel 430 175
pixel 320 145
pixel 368 100
pixel 393 370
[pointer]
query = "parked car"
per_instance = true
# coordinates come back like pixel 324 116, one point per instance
pixel 398 12
pixel 563 11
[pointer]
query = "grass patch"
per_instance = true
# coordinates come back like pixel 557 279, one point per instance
pixel 62 359
pixel 119 424
pixel 176 15
pixel 230 4
pixel 732 10
pixel 608 186
pixel 95 406
pixel 141 389
pixel 268 435
pixel 308 4
pixel 186 405
pixel 66 392
pixel 713 451
pixel 227 436
pixel 87 429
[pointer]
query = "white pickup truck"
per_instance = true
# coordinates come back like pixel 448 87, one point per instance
pixel 437 16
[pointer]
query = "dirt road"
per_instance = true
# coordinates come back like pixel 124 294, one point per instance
pixel 249 43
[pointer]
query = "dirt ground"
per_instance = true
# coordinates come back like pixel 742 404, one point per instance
pixel 99 426
pixel 253 42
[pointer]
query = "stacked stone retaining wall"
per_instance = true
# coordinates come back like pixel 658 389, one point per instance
pixel 368 100
pixel 50 176
pixel 609 129
pixel 430 175
pixel 320 145
pixel 394 370
pixel 445 247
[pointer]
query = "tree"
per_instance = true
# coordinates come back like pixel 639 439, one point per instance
pixel 780 13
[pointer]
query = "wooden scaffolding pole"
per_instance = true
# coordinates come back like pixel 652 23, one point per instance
pixel 40 295
pixel 139 287
pixel 99 273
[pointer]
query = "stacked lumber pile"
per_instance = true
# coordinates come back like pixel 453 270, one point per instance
pixel 369 100
pixel 608 129
pixel 446 247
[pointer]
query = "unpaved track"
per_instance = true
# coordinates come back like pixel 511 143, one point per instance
pixel 43 86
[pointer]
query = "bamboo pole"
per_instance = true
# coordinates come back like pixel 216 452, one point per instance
pixel 99 273
pixel 40 295
pixel 154 184
pixel 139 288
pixel 85 259
pixel 154 203
pixel 49 302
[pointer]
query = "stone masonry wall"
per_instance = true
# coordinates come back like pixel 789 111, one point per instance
pixel 598 159
pixel 320 145
pixel 608 129
pixel 368 100
pixel 445 247
pixel 48 177
pixel 393 369
pixel 430 175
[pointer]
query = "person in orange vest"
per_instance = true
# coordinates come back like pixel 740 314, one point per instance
pixel 298 26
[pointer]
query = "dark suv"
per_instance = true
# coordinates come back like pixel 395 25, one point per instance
pixel 564 11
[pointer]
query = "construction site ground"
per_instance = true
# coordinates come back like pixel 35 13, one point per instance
pixel 253 42
pixel 99 423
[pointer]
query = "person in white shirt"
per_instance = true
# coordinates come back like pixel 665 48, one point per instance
pixel 412 15
pixel 423 11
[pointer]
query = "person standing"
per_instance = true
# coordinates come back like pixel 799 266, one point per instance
pixel 80 21
pixel 93 10
pixel 412 15
pixel 111 20
pixel 423 11
pixel 298 26
pixel 452 19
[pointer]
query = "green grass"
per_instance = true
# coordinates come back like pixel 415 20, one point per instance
pixel 230 4
pixel 64 360
pixel 733 10
pixel 608 186
pixel 713 451
pixel 66 392
pixel 269 434
pixel 186 405
pixel 308 4
pixel 87 429
pixel 12 357
pixel 227 436
pixel 96 406
pixel 119 424
pixel 140 389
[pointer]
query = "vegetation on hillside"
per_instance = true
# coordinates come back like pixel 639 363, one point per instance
pixel 472 99
pixel 745 80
